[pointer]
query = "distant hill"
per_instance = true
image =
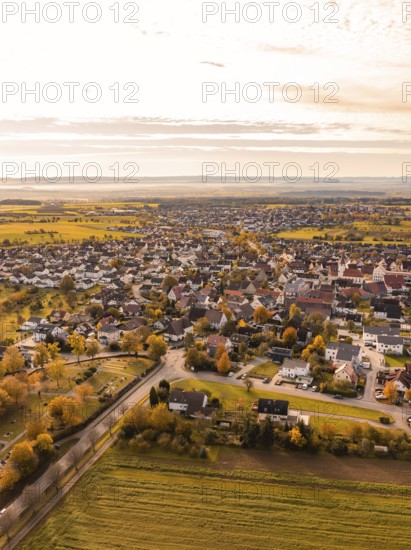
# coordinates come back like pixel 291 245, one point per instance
pixel 20 202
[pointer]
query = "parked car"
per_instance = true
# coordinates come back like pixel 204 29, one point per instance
pixel 338 396
pixel 3 511
pixel 230 374
pixel 265 380
pixel 314 388
pixel 278 382
pixel 304 386
pixel 254 406
pixel 298 386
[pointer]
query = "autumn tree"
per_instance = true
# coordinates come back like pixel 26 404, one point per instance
pixel 261 315
pixel 296 437
pixel 157 347
pixel 92 348
pixel 318 347
pixel 13 360
pixel 390 391
pixel 35 428
pixel 5 401
pixel 16 389
pixel 294 311
pixel 54 350
pixel 56 370
pixel 132 343
pixel 77 343
pixel 41 355
pixel 44 444
pixel 202 326
pixel 249 384
pixel 290 337
pixel 221 349
pixel 67 284
pixel 83 391
pixel 64 409
pixel 330 331
pixel 223 365
pixel 23 458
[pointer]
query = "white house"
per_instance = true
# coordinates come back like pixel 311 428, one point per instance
pixel 343 353
pixel 108 334
pixel 392 345
pixel 370 334
pixel 293 368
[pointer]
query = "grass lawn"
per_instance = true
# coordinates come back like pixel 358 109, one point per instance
pixel 397 361
pixel 126 501
pixel 230 395
pixel 267 369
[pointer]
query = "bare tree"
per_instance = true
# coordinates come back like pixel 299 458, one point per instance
pixel 93 438
pixel 54 475
pixel 31 497
pixel 6 521
pixel 249 384
pixel 109 422
pixel 74 456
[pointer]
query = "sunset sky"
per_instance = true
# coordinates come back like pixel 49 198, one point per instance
pixel 170 53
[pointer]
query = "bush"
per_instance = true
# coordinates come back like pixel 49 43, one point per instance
pixel 385 420
pixel 203 452
pixel 114 346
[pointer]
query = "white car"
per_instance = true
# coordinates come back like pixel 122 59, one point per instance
pixel 304 386
pixel 230 374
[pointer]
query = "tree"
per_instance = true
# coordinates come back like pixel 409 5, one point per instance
pixel 44 444
pixel 221 349
pixel 202 326
pixel 261 315
pixel 5 401
pixel 314 323
pixel 188 340
pixel 153 397
pixel 294 311
pixel 328 432
pixel 93 438
pixel 56 370
pixel 13 360
pixel 64 409
pixel 54 475
pixel 162 419
pixel 54 350
pixel 266 435
pixel 35 428
pixel 109 422
pixel 77 343
pixel 41 354
pixel 296 437
pixel 16 389
pixel 92 348
pixel 74 456
pixel 132 342
pixel 67 284
pixel 356 299
pixel 318 346
pixel 330 331
pixel 390 391
pixel 169 281
pixel 83 391
pixel 223 365
pixel 156 347
pixel 23 458
pixel 407 395
pixel 290 337
pixel 249 384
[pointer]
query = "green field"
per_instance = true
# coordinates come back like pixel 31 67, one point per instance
pixel 267 369
pixel 397 361
pixel 230 395
pixel 129 501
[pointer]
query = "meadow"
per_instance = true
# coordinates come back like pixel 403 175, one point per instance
pixel 231 395
pixel 131 501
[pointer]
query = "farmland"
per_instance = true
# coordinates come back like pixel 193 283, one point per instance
pixel 132 501
pixel 230 396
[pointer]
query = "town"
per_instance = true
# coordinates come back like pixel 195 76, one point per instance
pixel 190 326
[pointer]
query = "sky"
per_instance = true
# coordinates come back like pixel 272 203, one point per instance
pixel 176 59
